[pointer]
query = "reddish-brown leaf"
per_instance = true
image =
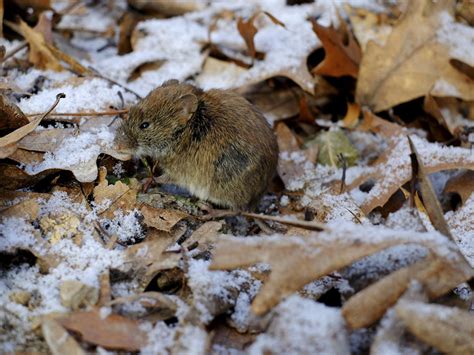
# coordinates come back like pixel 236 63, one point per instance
pixel 342 51
pixel 248 31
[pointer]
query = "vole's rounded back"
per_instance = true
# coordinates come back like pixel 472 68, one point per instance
pixel 214 143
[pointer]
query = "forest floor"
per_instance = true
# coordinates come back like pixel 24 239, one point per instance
pixel 364 242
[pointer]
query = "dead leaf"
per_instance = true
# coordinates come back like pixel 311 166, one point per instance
pixel 392 333
pixel 351 119
pixel 147 66
pixel 446 110
pixel 461 184
pixel 113 332
pixel 74 65
pixel 127 25
pixel 438 276
pixel 378 125
pixel 146 259
pixel 390 74
pixel 274 103
pixel 331 145
pixel 19 133
pixel 449 330
pixel 248 31
pixel 114 197
pixel 393 169
pixel 161 219
pixel 8 150
pixel 58 339
pixel 205 236
pixel 7 141
pixel 368 25
pixel 11 117
pixel 27 209
pixel 40 55
pixel 342 53
pixel 75 295
pixel 431 203
pixel 297 261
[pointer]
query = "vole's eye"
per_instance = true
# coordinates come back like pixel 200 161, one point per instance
pixel 144 125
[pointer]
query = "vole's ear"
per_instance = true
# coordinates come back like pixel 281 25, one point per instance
pixel 170 82
pixel 188 104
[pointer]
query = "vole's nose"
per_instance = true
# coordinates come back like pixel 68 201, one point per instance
pixel 123 144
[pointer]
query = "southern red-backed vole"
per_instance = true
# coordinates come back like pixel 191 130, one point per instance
pixel 213 143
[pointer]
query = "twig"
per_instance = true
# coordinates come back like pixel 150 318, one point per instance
pixel 81 114
pixel 99 75
pixel 343 160
pixel 70 7
pixel 58 98
pixel 301 224
pixel 14 51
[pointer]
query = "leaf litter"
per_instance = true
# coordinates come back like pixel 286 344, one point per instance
pixel 355 247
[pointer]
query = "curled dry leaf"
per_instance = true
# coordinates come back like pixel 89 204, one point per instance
pixel 58 339
pixel 430 201
pixel 449 330
pixel 447 112
pixel 461 184
pixel 111 332
pixel 342 53
pixel 248 31
pixel 391 74
pixel 11 117
pixel 351 119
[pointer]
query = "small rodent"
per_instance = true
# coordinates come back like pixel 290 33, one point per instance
pixel 214 143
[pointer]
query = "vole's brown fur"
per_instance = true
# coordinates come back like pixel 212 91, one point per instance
pixel 215 143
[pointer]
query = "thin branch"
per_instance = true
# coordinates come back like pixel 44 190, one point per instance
pixel 81 114
pixel 99 75
pixel 301 224
pixel 14 51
